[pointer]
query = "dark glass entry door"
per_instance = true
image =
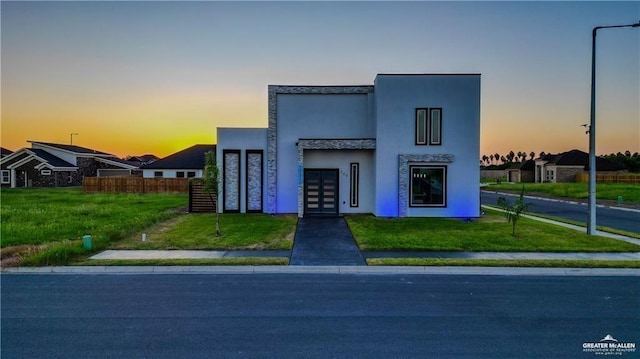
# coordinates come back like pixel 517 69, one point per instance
pixel 321 192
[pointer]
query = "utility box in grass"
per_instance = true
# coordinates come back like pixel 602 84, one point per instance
pixel 87 242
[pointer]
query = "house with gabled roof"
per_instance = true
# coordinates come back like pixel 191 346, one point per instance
pixel 48 164
pixel 563 167
pixel 187 163
pixel 406 146
pixel 5 152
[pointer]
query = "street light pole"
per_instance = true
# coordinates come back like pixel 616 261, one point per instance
pixel 591 227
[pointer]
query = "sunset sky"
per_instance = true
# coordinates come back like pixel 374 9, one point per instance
pixel 156 77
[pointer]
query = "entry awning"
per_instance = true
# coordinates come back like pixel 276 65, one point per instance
pixel 336 144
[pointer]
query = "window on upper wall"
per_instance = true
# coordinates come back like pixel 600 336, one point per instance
pixel 435 126
pixel 157 174
pixel 180 174
pixel 6 177
pixel 428 186
pixel 191 174
pixel 429 126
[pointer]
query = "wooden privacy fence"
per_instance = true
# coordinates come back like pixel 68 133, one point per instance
pixel 633 178
pixel 135 184
pixel 199 200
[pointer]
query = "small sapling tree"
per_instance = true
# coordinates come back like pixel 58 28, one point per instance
pixel 210 183
pixel 512 211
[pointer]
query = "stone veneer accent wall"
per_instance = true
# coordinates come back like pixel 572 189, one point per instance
pixel 231 181
pixel 403 175
pixel 254 181
pixel 274 91
pixel 326 144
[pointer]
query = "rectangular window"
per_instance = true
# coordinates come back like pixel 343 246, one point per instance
pixel 435 126
pixel 6 177
pixel 421 126
pixel 355 185
pixel 157 174
pixel 45 172
pixel 191 174
pixel 180 174
pixel 428 186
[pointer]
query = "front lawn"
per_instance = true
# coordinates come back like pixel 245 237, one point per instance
pixel 47 215
pixel 197 231
pixel 490 233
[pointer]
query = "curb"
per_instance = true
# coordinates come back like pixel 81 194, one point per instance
pixel 336 270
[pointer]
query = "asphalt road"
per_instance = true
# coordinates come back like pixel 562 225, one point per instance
pixel 314 316
pixel 609 217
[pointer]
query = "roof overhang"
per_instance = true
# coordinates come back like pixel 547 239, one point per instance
pixel 116 163
pixel 336 144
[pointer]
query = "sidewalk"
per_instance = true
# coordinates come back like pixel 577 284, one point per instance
pixel 191 254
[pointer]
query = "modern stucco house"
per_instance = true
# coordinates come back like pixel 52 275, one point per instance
pixel 408 145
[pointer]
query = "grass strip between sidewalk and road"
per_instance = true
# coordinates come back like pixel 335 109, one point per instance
pixel 256 261
pixel 539 263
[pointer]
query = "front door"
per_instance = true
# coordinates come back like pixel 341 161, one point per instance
pixel 321 192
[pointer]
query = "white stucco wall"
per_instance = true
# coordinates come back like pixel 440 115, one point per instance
pixel 170 173
pixel 396 99
pixel 326 116
pixel 242 139
pixel 341 160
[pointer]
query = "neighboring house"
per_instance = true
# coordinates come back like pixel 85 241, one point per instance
pixel 143 160
pixel 4 152
pixel 564 167
pixel 523 173
pixel 406 146
pixel 57 165
pixel 188 163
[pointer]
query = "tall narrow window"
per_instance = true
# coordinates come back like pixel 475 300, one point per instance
pixel 428 186
pixel 354 188
pixel 421 126
pixel 6 177
pixel 435 126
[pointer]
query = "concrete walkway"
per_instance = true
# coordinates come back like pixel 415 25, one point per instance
pixel 323 241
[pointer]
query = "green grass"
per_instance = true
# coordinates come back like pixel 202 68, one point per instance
pixel 581 224
pixel 606 191
pixel 256 261
pixel 552 263
pixel 490 233
pixel 197 231
pixel 39 215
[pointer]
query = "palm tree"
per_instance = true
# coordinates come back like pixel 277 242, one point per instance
pixel 491 158
pixel 532 154
pixel 510 156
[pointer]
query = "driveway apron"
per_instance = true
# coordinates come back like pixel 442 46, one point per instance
pixel 324 241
